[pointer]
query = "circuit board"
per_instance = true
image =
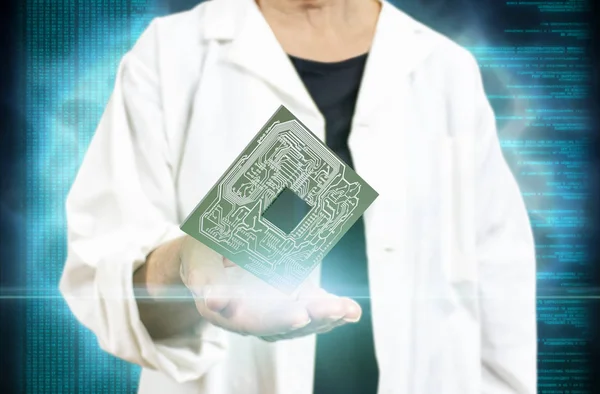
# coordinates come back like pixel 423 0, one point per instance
pixel 284 155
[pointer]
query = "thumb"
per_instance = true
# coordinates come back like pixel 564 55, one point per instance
pixel 203 273
pixel 216 298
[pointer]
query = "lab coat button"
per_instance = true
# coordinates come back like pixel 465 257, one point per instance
pixel 388 249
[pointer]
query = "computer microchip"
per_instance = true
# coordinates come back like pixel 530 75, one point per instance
pixel 284 159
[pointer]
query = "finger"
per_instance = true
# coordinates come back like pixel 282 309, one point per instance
pixel 312 328
pixel 326 307
pixel 206 279
pixel 227 296
pixel 233 308
pixel 217 297
pixel 239 318
pixel 327 311
pixel 218 304
pixel 318 304
pixel 275 320
pixel 353 310
pixel 210 288
pixel 200 265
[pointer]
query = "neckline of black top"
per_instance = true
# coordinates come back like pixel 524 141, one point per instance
pixel 302 64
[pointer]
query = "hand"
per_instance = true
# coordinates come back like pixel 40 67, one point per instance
pixel 231 298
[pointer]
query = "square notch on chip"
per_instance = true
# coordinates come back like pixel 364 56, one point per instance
pixel 287 211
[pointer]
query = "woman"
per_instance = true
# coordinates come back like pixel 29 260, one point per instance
pixel 446 242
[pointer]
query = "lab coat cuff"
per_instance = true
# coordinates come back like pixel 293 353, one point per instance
pixel 183 358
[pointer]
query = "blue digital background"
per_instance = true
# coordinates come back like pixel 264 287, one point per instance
pixel 535 64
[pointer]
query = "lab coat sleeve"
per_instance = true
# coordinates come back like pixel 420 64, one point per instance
pixel 506 262
pixel 121 206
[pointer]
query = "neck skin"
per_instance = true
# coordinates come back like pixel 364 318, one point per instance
pixel 320 15
pixel 326 30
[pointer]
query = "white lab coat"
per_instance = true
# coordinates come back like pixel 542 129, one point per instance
pixel 450 250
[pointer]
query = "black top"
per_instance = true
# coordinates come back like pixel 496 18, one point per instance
pixel 345 360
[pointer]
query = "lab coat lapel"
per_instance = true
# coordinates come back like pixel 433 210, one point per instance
pixel 395 52
pixel 383 142
pixel 256 49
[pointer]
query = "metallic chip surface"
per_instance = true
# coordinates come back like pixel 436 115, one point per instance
pixel 284 156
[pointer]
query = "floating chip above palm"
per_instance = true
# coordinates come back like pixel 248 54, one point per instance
pixel 283 158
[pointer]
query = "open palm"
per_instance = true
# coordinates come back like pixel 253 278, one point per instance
pixel 231 298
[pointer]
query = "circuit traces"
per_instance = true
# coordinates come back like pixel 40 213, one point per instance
pixel 283 155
